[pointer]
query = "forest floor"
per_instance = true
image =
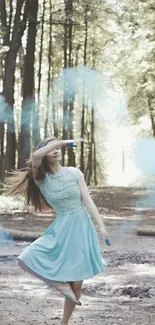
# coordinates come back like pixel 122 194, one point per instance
pixel 123 294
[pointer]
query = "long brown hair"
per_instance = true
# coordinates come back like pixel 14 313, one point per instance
pixel 22 181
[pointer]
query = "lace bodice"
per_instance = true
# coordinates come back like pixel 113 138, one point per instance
pixel 61 190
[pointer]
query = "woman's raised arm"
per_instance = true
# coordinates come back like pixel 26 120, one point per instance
pixel 42 152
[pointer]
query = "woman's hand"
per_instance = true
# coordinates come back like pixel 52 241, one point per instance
pixel 105 235
pixel 70 141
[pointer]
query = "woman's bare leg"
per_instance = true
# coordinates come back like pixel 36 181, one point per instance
pixel 63 287
pixel 66 289
pixel 69 305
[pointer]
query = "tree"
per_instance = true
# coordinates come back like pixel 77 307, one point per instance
pixel 55 93
pixel 28 106
pixel 18 28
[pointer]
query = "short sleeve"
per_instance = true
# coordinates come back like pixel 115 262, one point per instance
pixel 77 173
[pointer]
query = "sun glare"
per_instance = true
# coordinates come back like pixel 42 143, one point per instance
pixel 121 168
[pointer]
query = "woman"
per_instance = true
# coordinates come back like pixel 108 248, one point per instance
pixel 68 251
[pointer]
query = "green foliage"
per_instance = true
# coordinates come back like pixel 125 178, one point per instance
pixel 115 37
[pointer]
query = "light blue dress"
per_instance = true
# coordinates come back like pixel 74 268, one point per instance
pixel 69 248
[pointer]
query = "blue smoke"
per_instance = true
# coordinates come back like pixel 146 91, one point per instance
pixel 141 207
pixel 144 158
pixel 5 239
pixel 84 85
pixel 6 114
pixel 144 155
pixel 93 88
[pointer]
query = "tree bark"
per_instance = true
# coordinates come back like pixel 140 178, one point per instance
pixel 95 169
pixel 2 154
pixel 49 83
pixel 71 155
pixel 6 32
pixel 152 116
pixel 82 164
pixel 9 79
pixel 90 155
pixel 28 104
pixel 41 49
pixel 65 86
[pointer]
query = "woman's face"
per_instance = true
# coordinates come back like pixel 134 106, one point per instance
pixel 54 155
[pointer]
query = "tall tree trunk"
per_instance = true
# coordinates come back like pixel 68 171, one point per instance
pixel 91 144
pixel 6 30
pixel 41 49
pixel 94 96
pixel 36 134
pixel 95 169
pixel 65 86
pixel 35 125
pixel 92 148
pixel 82 165
pixel 49 84
pixel 9 78
pixel 2 153
pixel 87 136
pixel 10 15
pixel 91 163
pixel 152 116
pixel 28 86
pixel 71 155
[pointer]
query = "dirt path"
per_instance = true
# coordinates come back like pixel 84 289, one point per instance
pixel 124 294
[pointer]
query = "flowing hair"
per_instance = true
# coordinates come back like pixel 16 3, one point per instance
pixel 22 181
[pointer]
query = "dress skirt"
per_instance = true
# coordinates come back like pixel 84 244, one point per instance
pixel 67 251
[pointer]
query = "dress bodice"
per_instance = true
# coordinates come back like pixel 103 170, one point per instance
pixel 61 190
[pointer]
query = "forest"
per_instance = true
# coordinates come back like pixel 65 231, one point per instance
pixel 78 69
pixel 64 65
